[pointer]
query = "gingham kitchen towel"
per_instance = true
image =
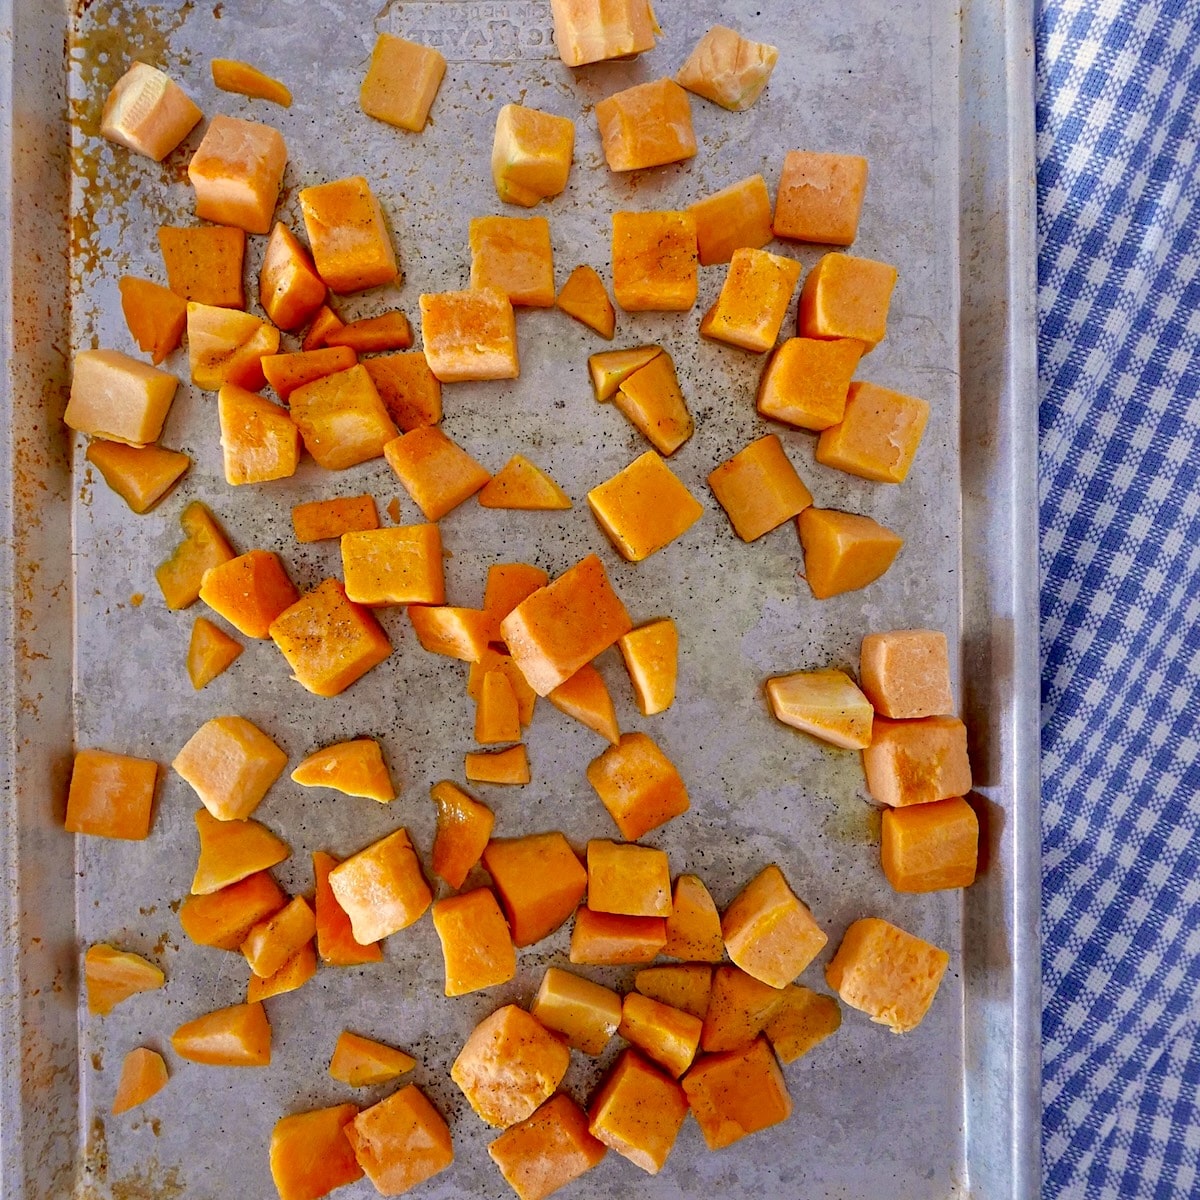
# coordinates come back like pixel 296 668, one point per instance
pixel 1119 352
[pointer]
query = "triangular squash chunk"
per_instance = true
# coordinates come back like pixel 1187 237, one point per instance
pixel 585 697
pixel 210 652
pixel 522 485
pixel 585 298
pixel 355 768
pixel 694 926
pixel 362 1062
pixel 464 826
pixel 610 368
pixel 231 851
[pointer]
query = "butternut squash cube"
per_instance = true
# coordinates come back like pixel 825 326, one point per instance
pixel 237 1036
pixel 737 1093
pixel 409 390
pixel 354 768
pixel 310 1155
pixel 143 1074
pixel 230 765
pixel 666 1035
pixel 887 973
pixel 540 882
pixel 651 400
pixel 224 917
pixel 228 346
pixel 647 125
pixel 769 932
pixel 148 112
pixel 644 507
pixel 846 297
pixel 521 485
pixel 685 986
pixel 638 784
pixel 286 372
pixel 342 419
pixel 917 762
pixel 628 879
pixel 140 475
pixel 204 546
pixel 435 471
pixel 512 255
pixel 654 256
pixel 878 435
pixel 464 826
pixel 402 565
pixel 728 69
pixel 362 1062
pixel 249 591
pixel 738 215
pixel 456 632
pixel 381 888
pixel 237 172
pixel 154 315
pixel 820 197
pixel 509 766
pixel 507 585
pixel 758 488
pixel 328 640
pixel 693 924
pixel 476 945
pixel 638 1112
pixel 401 1141
pixel 611 940
pixel 204 263
pixel 469 335
pixel 843 551
pixel 271 942
pixel 554 631
pixel 585 33
pixel 610 368
pixel 233 75
pixel 548 1150
pixel 905 673
pixel 336 943
pixel 497 717
pixel 585 298
pixel 321 519
pixel 531 154
pixel 232 850
pixel 651 655
pixel 754 300
pixel 211 651
pixel 807 381
pixel 259 441
pixel 111 795
pixel 388 331
pixel 585 697
pixel 323 324
pixel 118 398
pixel 401 82
pixel 111 976
pixel 804 1020
pixel 289 288
pixel 292 976
pixel 585 1013
pixel 739 1009
pixel 826 704
pixel 930 847
pixel 349 238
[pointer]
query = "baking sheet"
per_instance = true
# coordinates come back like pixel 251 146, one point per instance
pixel 947 1111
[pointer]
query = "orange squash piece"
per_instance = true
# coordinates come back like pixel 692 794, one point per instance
pixel 609 940
pixel 259 441
pixel 610 368
pixel 223 918
pixel 540 882
pixel 274 940
pixel 585 298
pixel 878 435
pixel 286 372
pixel 456 632
pixel 143 1074
pixel 409 390
pixel 826 704
pixel 204 263
pixel 401 82
pixel 728 69
pixel 905 673
pixel 509 766
pixel 647 125
pixel 435 471
pixel 477 948
pixel 585 33
pixel 204 546
pixel 354 768
pixel 804 1020
pixel 917 762
pixel 628 879
pixel 293 975
pixel 321 519
pixel 820 197
pixel 389 331
pixel 807 381
pixel 531 154
pixel 644 507
pixel 585 1013
pixel 769 932
pixel 694 925
pixel 237 172
pixel 843 551
pixel 759 488
pixel 402 565
pixel 519 484
pixel 685 986
pixel 507 585
pixel 638 784
pixel 654 261
pixel 111 976
pixel 738 215
pixel 737 1093
pixel 348 235
pixel 148 112
pixel 289 288
pixel 335 937
pixel 846 297
pixel 497 717
pixel 651 656
pixel 211 651
pixel 666 1035
pixel 233 75
pixel 401 1141
pixel 362 1062
pixel 638 1112
pixel 154 315
pixel 323 324
pixel 651 399
pixel 547 1150
pixel 111 795
pixel 227 346
pixel 237 1036
pixel 232 850
pixel 493 660
pixel 585 697
pixel 464 826
pixel 310 1155
pixel 118 398
pixel 469 335
pixel 739 1009
pixel 513 256
pixel 249 591
pixel 231 764
pixel 381 888
pixel 753 300
pixel 342 419
pixel 140 475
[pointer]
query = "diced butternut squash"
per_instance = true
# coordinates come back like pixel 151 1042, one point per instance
pixel 846 297
pixel 638 784
pixel 249 591
pixel 585 298
pixel 610 368
pixel 464 826
pixel 638 1112
pixel 388 331
pixel 224 917
pixel 409 390
pixel 654 261
pixel 140 475
pixel 844 551
pixel 354 768
pixel 644 507
pixel 232 850
pixel 652 401
pixel 228 346
pixel 554 631
pixel 493 660
pixel 289 288
pixel 292 976
pixel 469 335
pixel 547 1150
pixel 906 673
pixel 342 419
pixel 117 398
pixel 585 697
pixel 154 315
pixel 878 435
pixel 647 125
pixel 286 372
pixel 362 1062
pixel 328 640
pixel 694 925
pixel 211 651
pixel 476 945
pixel 456 632
pixel 401 565
pixel 204 546
pixel 513 256
pixel 531 154
pixel 769 932
pixel 230 765
pixel 510 766
pixel 143 1074
pixel 148 112
pixel 435 471
pixel 540 882
pixel 401 1141
pixel 917 762
pixel 350 242
pixel 685 986
pixel 519 484
pixel 666 1035
pixel 739 1009
pixel 321 519
pixel 728 69
pixel 111 976
pixel 820 197
pixel 507 585
pixel 233 75
pixel 237 1036
pixel 401 82
pixel 736 216
pixel 586 33
pixel 204 263
pixel 336 943
pixel 804 1020
pixel 651 656
pixel 381 888
pixel 310 1155
pixel 111 795
pixel 807 381
pixel 585 1013
pixel 826 704
pixel 609 940
pixel 323 324
pixel 753 301
pixel 737 1093
pixel 274 940
pixel 758 488
pixel 628 879
pixel 497 717
pixel 237 172
pixel 887 973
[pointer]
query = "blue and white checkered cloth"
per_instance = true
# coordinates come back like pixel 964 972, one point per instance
pixel 1119 351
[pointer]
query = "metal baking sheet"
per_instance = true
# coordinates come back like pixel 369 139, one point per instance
pixel 939 97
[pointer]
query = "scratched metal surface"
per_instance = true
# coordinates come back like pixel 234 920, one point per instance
pixel 939 1113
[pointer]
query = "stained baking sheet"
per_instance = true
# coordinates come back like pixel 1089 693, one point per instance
pixel 938 97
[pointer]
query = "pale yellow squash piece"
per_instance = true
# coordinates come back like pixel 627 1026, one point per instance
pixel 827 704
pixel 111 976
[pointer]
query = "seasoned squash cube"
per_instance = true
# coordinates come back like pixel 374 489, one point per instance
pixel 143 1074
pixel 628 879
pixel 435 471
pixel 585 33
pixel 758 488
pixel 259 441
pixel 289 288
pixel 507 585
pixel 457 632
pixel 651 399
pixel 826 704
pixel 476 945
pixel 638 1112
pixel 401 82
pixel 654 261
pixel 228 346
pixel 846 297
pixel 769 932
pixel 112 976
pixel 585 1013
pixel 611 940
pixel 739 1009
pixel 156 317
pixel 906 673
pixel 469 335
pixel 644 507
pixel 111 795
pixel 610 368
pixel 287 372
pixel 522 485
pixel 336 943
pixel 230 764
pixel 409 390
pixel 325 323
pixel 204 546
pixel 401 1141
pixel 118 398
pixel 230 851
pixel 349 238
pixel 310 1155
pixel 400 565
pixel 843 551
pixel 647 125
pixel 929 847
pixel 917 762
pixel 273 941
pixel 362 1062
pixel 685 986
pixel 804 1020
pixel 736 216
pixel 651 655
pixel 237 172
pixel 237 1036
pixel 878 435
pixel 540 882
pixel 388 331
pixel 204 263
pixel 694 925
pixel 548 1150
pixel 354 768
pixel 737 1093
pixel 513 256
pixel 140 475
pixel 666 1035
pixel 224 917
pixel 497 717
pixel 638 784
pixel 585 697
pixel 148 112
pixel 531 154
pixel 342 419
pixel 321 519
pixel 381 888
pixel 249 591
pixel 820 197
pixel 463 828
pixel 728 69
pixel 807 381
pixel 754 299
